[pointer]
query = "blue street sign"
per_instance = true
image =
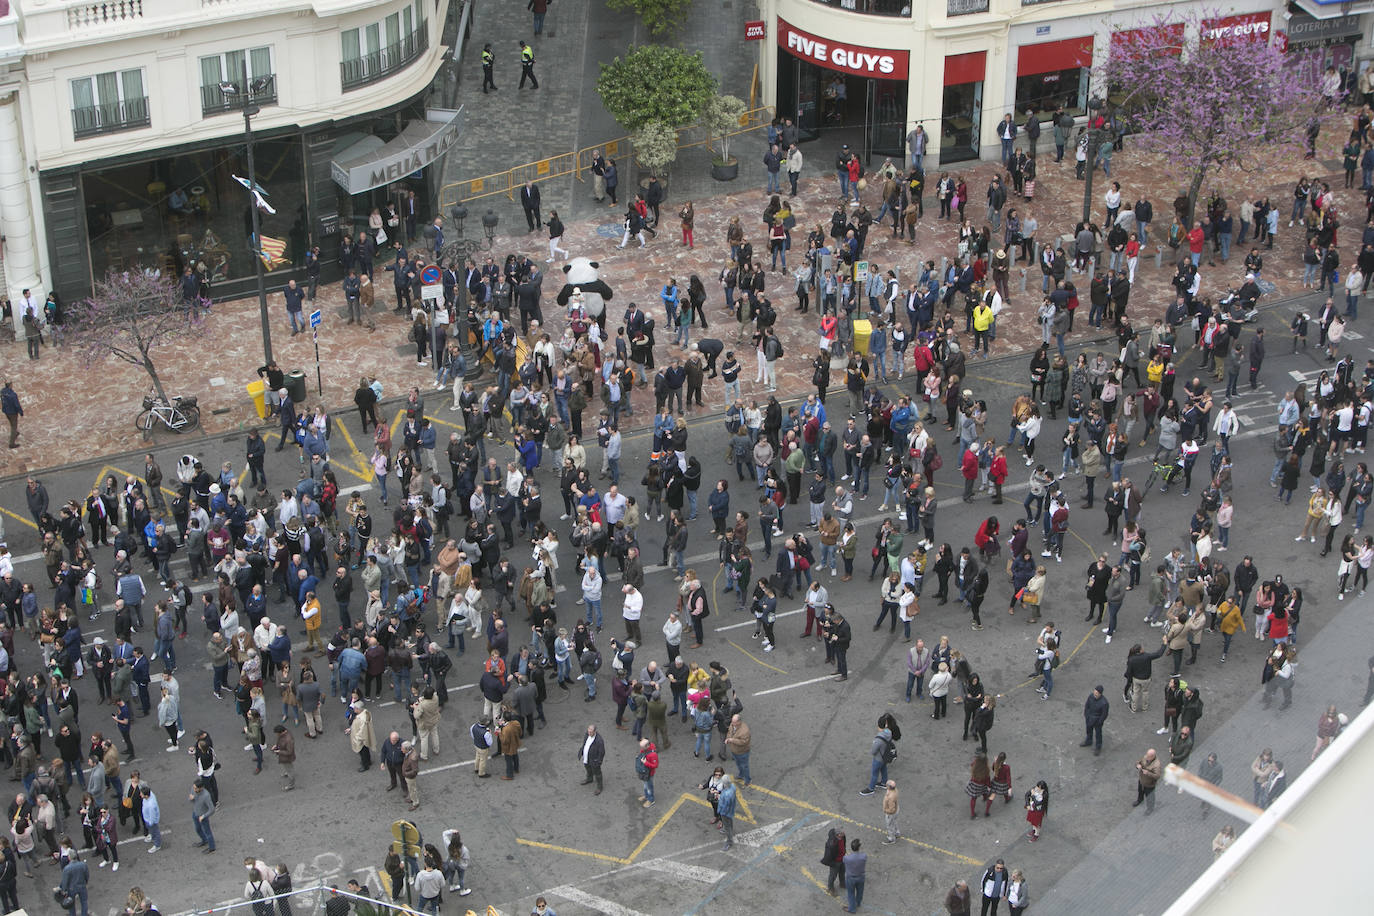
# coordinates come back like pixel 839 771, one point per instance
pixel 429 275
pixel 316 317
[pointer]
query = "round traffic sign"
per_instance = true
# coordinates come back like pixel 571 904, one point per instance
pixel 429 275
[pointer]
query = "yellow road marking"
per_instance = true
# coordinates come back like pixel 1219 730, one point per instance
pixel 19 518
pixel 653 831
pixel 807 806
pixel 813 879
pixel 571 851
pixel 618 860
pixel 747 817
pixel 755 657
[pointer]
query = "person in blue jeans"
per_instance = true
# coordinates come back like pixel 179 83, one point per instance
pixel 855 868
pixel 703 723
pixel 1045 658
pixel 878 769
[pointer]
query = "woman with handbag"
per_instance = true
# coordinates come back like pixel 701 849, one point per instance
pixel 107 838
pixel 712 787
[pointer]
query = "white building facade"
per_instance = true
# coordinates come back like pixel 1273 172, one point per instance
pixel 959 66
pixel 119 146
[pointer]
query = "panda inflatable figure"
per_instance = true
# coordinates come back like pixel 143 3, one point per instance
pixel 582 275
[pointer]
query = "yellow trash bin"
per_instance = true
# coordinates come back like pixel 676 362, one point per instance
pixel 257 391
pixel 863 328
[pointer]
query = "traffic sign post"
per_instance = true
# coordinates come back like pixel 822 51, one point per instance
pixel 431 294
pixel 317 319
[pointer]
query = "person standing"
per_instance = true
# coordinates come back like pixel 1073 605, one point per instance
pixel 482 741
pixel 891 808
pixel 202 806
pixel 1095 709
pixel 725 808
pixel 75 874
pixel 1037 805
pixel 995 886
pixel 488 62
pixel 957 901
pixel 410 773
pixel 10 407
pixel 511 733
pixel 737 741
pixel 1148 769
pixel 152 817
pixel 840 635
pixel 285 749
pixel 592 753
pixel 540 9
pixel 646 764
pixel 855 870
pixel 529 201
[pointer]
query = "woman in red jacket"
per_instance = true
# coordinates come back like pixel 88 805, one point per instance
pixel 997 473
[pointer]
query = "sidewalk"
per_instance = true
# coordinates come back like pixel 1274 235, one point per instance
pixel 59 428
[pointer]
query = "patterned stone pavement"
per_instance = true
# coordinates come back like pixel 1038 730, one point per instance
pixel 64 424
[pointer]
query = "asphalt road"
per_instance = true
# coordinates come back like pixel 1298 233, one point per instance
pixel 545 834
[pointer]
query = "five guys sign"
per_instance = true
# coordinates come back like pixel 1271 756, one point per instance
pixel 846 58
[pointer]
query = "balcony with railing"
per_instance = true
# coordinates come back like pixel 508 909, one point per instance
pixel 370 68
pixel 895 8
pixel 112 118
pixel 213 101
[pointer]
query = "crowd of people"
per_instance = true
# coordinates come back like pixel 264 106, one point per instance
pixel 387 603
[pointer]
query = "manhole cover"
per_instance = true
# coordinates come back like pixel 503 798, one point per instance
pixel 1266 286
pixel 610 230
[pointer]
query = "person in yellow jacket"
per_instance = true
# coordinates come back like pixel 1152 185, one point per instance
pixel 1229 620
pixel 314 619
pixel 982 322
pixel 1316 513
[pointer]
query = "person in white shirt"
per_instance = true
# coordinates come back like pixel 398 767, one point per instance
pixel 614 503
pixel 1226 425
pixel 632 610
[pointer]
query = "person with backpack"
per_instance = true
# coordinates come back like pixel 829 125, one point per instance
pixel 646 764
pixel 884 751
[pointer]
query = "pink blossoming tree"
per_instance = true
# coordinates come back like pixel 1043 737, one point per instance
pixel 128 316
pixel 1208 99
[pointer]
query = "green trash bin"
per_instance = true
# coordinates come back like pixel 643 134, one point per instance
pixel 295 386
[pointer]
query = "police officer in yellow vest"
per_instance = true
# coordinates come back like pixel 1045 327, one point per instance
pixel 527 65
pixel 487 60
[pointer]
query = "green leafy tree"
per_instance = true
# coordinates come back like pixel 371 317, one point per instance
pixel 721 118
pixel 655 83
pixel 660 16
pixel 655 146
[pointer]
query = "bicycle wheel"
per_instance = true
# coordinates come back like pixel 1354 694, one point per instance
pixel 142 423
pixel 188 420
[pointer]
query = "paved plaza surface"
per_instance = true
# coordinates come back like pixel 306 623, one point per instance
pixel 545 834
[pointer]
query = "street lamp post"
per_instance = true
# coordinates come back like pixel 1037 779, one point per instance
pixel 1095 105
pixel 244 91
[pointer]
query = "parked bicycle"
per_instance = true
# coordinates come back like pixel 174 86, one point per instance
pixel 180 414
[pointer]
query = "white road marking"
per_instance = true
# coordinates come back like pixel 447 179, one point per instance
pixel 448 766
pixel 594 903
pixel 763 836
pixel 686 872
pixel 750 623
pixel 814 680
pixel 451 689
